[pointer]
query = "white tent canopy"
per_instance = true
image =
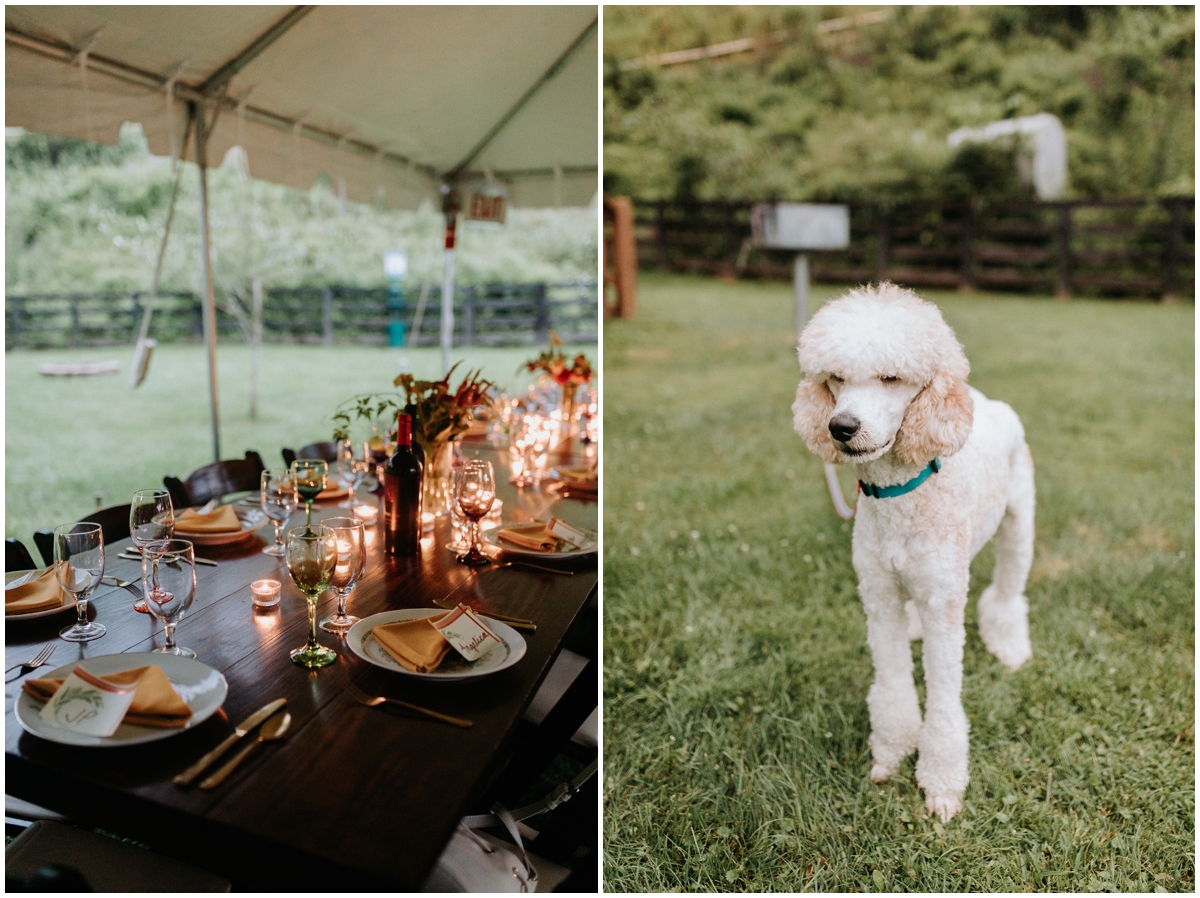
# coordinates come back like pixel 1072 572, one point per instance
pixel 393 103
pixel 390 98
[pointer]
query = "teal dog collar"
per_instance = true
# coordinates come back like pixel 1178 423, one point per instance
pixel 889 492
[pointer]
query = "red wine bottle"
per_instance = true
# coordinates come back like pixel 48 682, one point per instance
pixel 402 477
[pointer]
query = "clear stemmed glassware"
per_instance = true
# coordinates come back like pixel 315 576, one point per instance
pixel 174 589
pixel 311 559
pixel 475 492
pixel 352 468
pixel 350 536
pixel 278 502
pixel 308 477
pixel 460 527
pixel 151 518
pixel 78 566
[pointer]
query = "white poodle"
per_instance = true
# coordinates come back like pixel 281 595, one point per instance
pixel 941 469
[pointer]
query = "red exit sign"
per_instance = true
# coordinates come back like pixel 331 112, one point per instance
pixel 486 208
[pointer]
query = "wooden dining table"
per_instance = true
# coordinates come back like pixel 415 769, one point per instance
pixel 354 797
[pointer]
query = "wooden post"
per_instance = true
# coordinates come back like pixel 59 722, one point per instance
pixel 1062 287
pixel 620 254
pixel 74 321
pixel 883 232
pixel 660 233
pixel 15 305
pixel 1174 250
pixel 468 336
pixel 256 305
pixel 966 274
pixel 543 312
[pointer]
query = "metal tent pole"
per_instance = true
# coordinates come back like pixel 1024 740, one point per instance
pixel 450 206
pixel 210 307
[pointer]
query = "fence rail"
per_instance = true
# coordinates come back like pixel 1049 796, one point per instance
pixel 490 315
pixel 1127 247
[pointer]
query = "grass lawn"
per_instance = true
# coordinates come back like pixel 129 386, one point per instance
pixel 736 664
pixel 68 437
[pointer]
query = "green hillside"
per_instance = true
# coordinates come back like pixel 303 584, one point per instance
pixel 862 113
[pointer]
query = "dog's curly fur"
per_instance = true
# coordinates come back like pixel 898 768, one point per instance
pixel 883 362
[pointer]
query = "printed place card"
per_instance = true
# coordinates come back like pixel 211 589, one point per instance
pixel 466 633
pixel 566 532
pixel 88 704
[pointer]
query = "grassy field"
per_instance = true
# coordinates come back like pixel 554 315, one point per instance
pixel 68 437
pixel 736 664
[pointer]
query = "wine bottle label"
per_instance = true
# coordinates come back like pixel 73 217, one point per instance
pixel 466 633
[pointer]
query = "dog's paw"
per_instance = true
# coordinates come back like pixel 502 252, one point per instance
pixel 944 806
pixel 880 773
pixel 1004 628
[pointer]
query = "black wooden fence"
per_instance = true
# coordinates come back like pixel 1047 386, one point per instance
pixel 491 315
pixel 1134 247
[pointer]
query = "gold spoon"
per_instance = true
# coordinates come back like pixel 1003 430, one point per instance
pixel 271 730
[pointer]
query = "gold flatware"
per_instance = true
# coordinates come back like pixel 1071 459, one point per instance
pixel 273 729
pixel 116 581
pixel 372 701
pixel 239 731
pixel 536 567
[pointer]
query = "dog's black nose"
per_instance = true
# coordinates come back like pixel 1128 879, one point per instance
pixel 843 427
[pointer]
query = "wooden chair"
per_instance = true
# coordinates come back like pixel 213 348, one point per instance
pixel 114 525
pixel 216 480
pixel 326 451
pixel 16 556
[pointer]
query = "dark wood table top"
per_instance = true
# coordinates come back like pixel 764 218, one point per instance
pixel 354 797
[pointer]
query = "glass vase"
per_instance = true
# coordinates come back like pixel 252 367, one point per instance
pixel 437 488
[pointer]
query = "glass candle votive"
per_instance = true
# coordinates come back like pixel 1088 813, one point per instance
pixel 265 593
pixel 368 513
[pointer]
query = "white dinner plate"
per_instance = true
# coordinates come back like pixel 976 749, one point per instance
pixel 252 519
pixel 201 688
pixel 10 576
pixel 490 537
pixel 454 666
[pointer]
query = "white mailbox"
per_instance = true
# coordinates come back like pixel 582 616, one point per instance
pixel 801 227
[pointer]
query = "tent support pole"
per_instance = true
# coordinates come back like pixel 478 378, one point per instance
pixel 450 207
pixel 210 306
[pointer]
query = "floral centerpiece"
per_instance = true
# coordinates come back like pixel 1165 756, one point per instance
pixel 442 414
pixel 569 375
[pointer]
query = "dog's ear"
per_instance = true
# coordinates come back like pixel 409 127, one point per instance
pixel 811 413
pixel 937 422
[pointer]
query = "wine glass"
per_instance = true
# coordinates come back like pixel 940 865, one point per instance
pixel 174 588
pixel 78 567
pixel 311 559
pixel 151 518
pixel 350 537
pixel 352 468
pixel 278 502
pixel 475 492
pixel 308 476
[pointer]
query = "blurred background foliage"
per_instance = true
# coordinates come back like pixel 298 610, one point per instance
pixel 862 114
pixel 85 217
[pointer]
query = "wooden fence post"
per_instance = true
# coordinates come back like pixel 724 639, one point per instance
pixel 620 255
pixel 966 273
pixel 74 321
pixel 327 316
pixel 543 313
pixel 660 233
pixel 16 320
pixel 1174 250
pixel 1062 287
pixel 883 232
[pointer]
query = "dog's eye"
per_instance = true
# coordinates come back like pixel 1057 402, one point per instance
pixel 890 379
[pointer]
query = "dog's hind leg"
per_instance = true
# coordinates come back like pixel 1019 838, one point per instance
pixel 1003 607
pixel 892 699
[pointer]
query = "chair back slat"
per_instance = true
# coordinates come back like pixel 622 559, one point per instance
pixel 216 480
pixel 326 450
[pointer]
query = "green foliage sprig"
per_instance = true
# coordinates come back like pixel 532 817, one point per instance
pixel 442 413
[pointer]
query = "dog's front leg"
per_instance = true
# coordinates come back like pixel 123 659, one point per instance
pixel 892 699
pixel 942 755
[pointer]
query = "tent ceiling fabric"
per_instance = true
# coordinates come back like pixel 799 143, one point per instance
pixel 423 85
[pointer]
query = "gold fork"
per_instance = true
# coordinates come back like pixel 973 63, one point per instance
pixel 372 701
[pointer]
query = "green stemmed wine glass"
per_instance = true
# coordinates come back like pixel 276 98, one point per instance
pixel 311 559
pixel 308 476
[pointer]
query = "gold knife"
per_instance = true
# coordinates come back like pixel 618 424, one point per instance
pixel 188 776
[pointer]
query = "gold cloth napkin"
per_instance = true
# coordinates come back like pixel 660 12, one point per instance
pixel 155 703
pixel 529 536
pixel 580 478
pixel 414 643
pixel 222 520
pixel 37 594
